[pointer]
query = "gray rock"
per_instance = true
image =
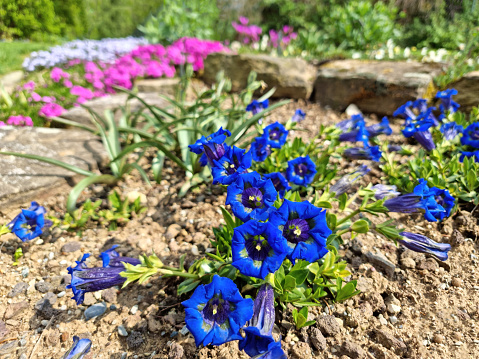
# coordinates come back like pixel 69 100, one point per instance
pixel 374 86
pixel 122 331
pixel 134 340
pixel 95 311
pixel 43 287
pixel 8 347
pixel 22 179
pixel 47 301
pixel 15 309
pixel 71 247
pixel 20 288
pixel 468 90
pixel 165 86
pixel 11 81
pixel 176 351
pixel 317 339
pixel 352 350
pixel 389 341
pixel 328 325
pixel 292 77
pixel 380 261
pixel 3 330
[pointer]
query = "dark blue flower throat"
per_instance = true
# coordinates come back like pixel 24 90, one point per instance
pixel 217 310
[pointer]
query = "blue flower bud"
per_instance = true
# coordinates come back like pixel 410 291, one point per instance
pixel 345 182
pixel 382 191
pixel 350 123
pixel 422 244
pixel 451 130
pixel 79 349
pixel 366 153
pixel 298 116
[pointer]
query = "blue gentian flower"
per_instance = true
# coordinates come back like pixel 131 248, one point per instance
pixel 275 134
pixel 234 162
pixel 447 103
pixel 380 128
pixel 420 131
pixel 405 111
pixel 250 197
pixel 301 171
pixel 451 130
pixel 274 352
pixel 420 104
pixel 366 153
pixel 256 106
pixel 382 191
pixel 79 349
pixel 260 149
pixel 263 310
pixel 345 182
pixel 258 249
pixel 86 279
pixel 467 154
pixel 305 229
pixel 394 148
pixel 212 146
pixel 29 223
pixel 444 199
pixel 216 312
pixel 470 136
pixel 280 183
pixel 298 116
pixel 422 244
pixel 360 133
pixel 350 123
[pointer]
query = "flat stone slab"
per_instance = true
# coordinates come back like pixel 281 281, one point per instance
pixel 374 86
pixel 23 179
pixel 468 91
pixel 112 102
pixel 292 77
pixel 12 80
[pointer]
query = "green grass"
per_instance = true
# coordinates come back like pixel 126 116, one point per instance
pixel 13 53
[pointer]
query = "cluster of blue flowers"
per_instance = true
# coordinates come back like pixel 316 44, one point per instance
pixel 355 130
pixel 29 224
pixel 216 312
pixel 105 50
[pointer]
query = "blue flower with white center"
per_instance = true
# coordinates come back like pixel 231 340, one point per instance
pixel 298 116
pixel 275 135
pixel 451 130
pixel 447 103
pixel 234 162
pixel 420 131
pixel 212 146
pixel 305 229
pixel 382 191
pixel 366 153
pixel 216 312
pixel 422 244
pixel 30 222
pixel 301 171
pixel 86 279
pixel 345 182
pixel 350 123
pixel 360 133
pixel 474 155
pixel 470 136
pixel 79 349
pixel 380 128
pixel 250 197
pixel 280 183
pixel 258 249
pixel 257 106
pixel 260 149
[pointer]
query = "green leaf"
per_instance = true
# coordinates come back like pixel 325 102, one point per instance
pixel 78 189
pixel 228 219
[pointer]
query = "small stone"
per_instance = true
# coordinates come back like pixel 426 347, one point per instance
pixel 154 325
pixel 380 261
pixel 134 340
pixel 393 319
pixel 301 350
pixel 176 351
pixel 408 262
pixel 194 250
pixel 457 336
pixel 71 247
pixel 61 294
pixel 456 282
pixel 20 287
pixel 317 339
pixel 458 344
pixel 89 299
pixel 15 309
pixel 45 322
pixel 122 331
pixel 95 311
pixel 134 309
pixel 3 330
pixel 438 339
pixel 23 342
pixel 328 325
pixel 352 350
pixel 25 272
pixel 109 295
pixel 23 356
pixel 43 287
pixel 389 341
pixel 393 308
pixel 184 330
pixel 123 355
pixel 382 320
pixel 172 231
pixel 47 301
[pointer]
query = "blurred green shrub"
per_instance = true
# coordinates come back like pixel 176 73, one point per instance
pixel 179 18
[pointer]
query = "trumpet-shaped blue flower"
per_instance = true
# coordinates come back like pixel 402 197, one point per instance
pixel 451 130
pixel 298 116
pixel 86 279
pixel 380 128
pixel 250 197
pixel 405 111
pixel 360 133
pixel 260 149
pixel 234 162
pixel 345 182
pixel 216 312
pixel 420 131
pixel 420 104
pixel 382 191
pixel 305 229
pixel 350 123
pixel 258 346
pixel 280 183
pixel 447 103
pixel 257 106
pixel 212 146
pixel 275 135
pixel 467 154
pixel 29 223
pixel 263 310
pixel 422 244
pixel 470 136
pixel 301 171
pixel 274 352
pixel 79 349
pixel 444 199
pixel 366 153
pixel 258 249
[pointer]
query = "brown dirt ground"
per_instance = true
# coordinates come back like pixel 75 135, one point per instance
pixel 411 306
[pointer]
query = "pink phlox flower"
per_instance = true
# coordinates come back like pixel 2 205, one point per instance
pixel 82 92
pixel 36 97
pixel 19 121
pixel 57 74
pixel 51 110
pixel 29 86
pixel 67 83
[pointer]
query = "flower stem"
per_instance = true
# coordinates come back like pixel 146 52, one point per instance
pixel 348 217
pixel 341 232
pixel 178 273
